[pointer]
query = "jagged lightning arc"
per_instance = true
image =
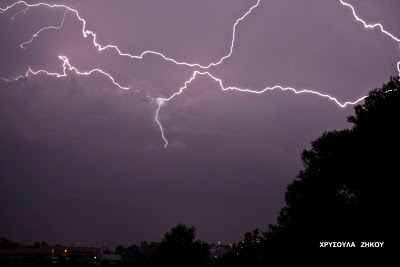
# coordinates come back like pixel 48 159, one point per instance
pixel 372 26
pixel 86 33
pixel 161 101
pixel 66 65
pixel 44 29
pixel 23 11
pixel 369 26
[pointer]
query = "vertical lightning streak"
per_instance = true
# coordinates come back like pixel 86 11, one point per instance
pixel 161 101
pixel 157 119
pixel 44 29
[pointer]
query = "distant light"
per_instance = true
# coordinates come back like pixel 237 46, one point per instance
pixel 95 257
pixel 65 250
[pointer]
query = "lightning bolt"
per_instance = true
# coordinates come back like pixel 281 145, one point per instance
pixel 44 29
pixel 23 11
pixel 372 26
pixel 66 65
pixel 369 26
pixel 100 48
pixel 161 101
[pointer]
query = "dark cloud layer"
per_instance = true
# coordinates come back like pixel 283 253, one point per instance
pixel 83 162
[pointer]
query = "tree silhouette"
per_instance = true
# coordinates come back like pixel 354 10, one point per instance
pixel 179 248
pixel 120 250
pixel 5 243
pixel 346 191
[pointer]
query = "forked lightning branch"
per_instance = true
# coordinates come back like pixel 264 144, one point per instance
pixel 23 7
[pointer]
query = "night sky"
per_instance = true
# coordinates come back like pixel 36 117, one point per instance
pixel 82 162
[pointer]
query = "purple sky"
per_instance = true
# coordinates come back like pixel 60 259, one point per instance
pixel 82 162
